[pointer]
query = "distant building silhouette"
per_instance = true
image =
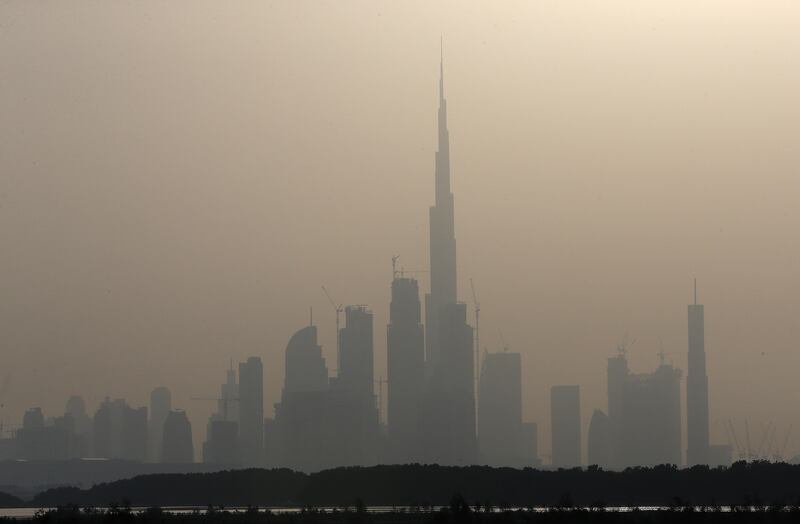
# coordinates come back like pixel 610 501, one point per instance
pixel 318 426
pixel 103 431
pixel 565 417
pixel 228 403
pixel 405 342
pixel 442 238
pixel 530 443
pixel 134 434
pixel 33 419
pixel 617 376
pixel 81 432
pixel 222 431
pixel 222 446
pixel 645 415
pixel 305 366
pixel 500 436
pixel 119 431
pixel 299 417
pixel 354 393
pixel 599 440
pixel 449 406
pixel 37 441
pixel 177 446
pixel 160 406
pixel 355 367
pixel 251 412
pixel 76 408
pixel 448 409
pixel 697 389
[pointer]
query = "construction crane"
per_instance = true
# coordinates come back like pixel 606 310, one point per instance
pixel 727 434
pixel 502 339
pixel 624 346
pixel 765 432
pixel 403 271
pixel 770 443
pixel 338 308
pixel 781 455
pixel 224 403
pixel 735 440
pixel 747 436
pixel 477 306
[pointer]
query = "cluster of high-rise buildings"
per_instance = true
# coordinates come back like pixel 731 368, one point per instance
pixel 444 404
pixel 115 431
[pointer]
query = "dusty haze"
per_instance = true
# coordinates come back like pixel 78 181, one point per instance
pixel 178 179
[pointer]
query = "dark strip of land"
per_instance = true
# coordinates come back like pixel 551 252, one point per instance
pixel 424 486
pixel 457 513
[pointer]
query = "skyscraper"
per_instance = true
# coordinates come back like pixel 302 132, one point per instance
pixel 448 410
pixel 617 377
pixel 449 404
pixel 119 431
pixel 442 237
pixel 599 440
pixel 644 414
pixel 650 429
pixel 356 352
pixel 222 431
pixel 177 446
pixel 251 412
pixel 565 415
pixel 305 366
pixel 134 434
pixel 697 388
pixel 500 410
pixel 300 428
pixel 160 406
pixel 405 342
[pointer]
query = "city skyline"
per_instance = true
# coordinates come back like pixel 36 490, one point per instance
pixel 326 420
pixel 534 277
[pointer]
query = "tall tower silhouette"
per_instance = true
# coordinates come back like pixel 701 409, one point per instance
pixel 448 412
pixel 442 237
pixel 697 387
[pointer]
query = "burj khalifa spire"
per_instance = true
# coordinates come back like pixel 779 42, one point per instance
pixel 442 237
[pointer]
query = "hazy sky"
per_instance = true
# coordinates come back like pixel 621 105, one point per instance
pixel 178 179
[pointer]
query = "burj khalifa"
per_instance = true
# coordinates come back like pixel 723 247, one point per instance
pixel 449 410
